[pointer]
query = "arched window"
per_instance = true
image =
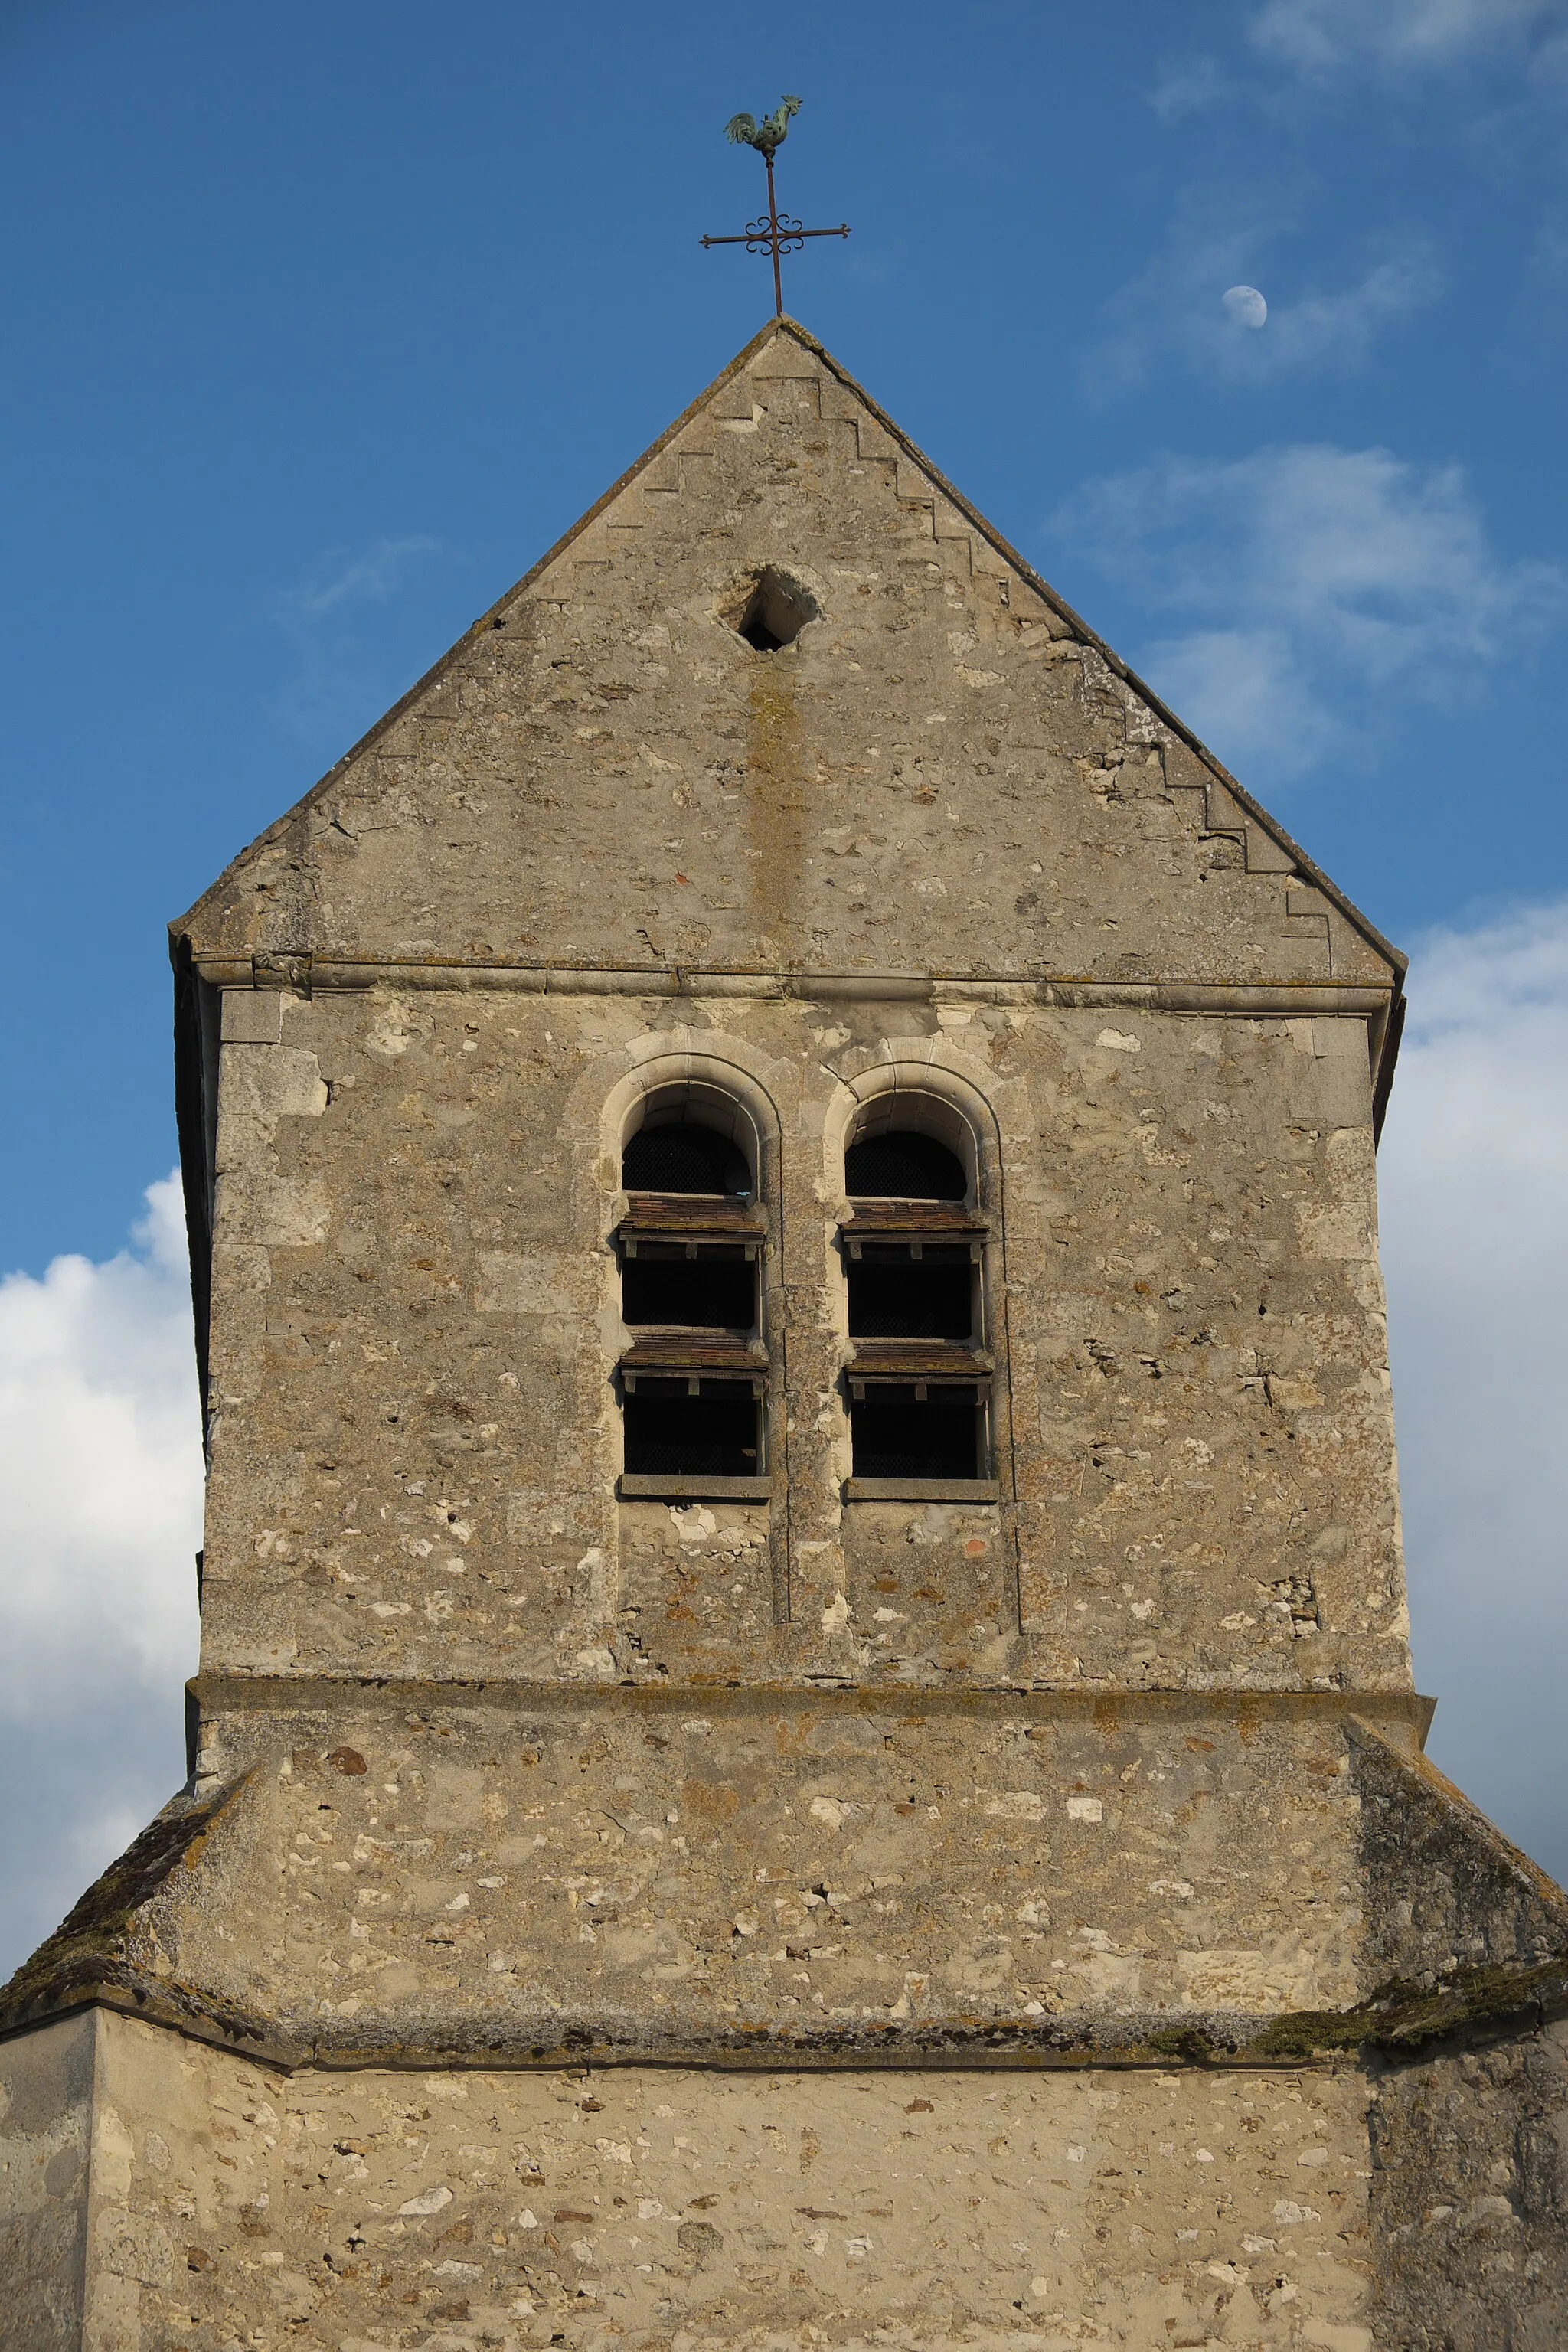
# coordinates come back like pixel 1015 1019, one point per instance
pixel 920 1388
pixel 693 1372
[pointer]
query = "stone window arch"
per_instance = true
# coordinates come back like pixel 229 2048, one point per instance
pixel 695 1162
pixel 919 1175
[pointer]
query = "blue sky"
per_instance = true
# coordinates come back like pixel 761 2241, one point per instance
pixel 320 324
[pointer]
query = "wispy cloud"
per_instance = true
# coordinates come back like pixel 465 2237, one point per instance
pixel 1174 309
pixel 1337 331
pixel 342 580
pixel 1320 38
pixel 100 1504
pixel 1310 580
pixel 1474 1171
pixel 1189 88
pixel 339 676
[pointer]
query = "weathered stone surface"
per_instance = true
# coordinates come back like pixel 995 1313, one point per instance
pixel 945 773
pixel 46 2125
pixel 794 1910
pixel 382 2209
pixel 415 1433
pixel 1469 2204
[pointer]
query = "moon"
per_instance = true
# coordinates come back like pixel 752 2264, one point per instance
pixel 1246 305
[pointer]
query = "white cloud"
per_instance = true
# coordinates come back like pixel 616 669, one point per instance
pixel 1474 1173
pixel 1320 36
pixel 1310 581
pixel 100 1502
pixel 1174 308
pixel 1337 331
pixel 1249 694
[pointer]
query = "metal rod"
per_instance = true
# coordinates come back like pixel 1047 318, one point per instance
pixel 774 239
pixel 758 237
pixel 774 236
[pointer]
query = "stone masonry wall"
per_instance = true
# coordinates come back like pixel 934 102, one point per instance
pixel 673 1923
pixel 643 1873
pixel 46 2133
pixel 414 1436
pixel 1471 2151
pixel 650 2207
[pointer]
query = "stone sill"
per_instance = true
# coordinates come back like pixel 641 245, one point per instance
pixel 922 1490
pixel 647 1486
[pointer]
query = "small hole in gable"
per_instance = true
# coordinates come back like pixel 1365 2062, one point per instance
pixel 773 611
pixel 756 632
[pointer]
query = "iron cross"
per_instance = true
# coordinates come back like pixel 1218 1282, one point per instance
pixel 780 232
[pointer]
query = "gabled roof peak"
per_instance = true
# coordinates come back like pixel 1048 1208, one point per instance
pixel 615 656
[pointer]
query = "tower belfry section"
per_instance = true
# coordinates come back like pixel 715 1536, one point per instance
pixel 806 1731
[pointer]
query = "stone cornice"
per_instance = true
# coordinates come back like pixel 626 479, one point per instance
pixel 314 975
pixel 1404 1717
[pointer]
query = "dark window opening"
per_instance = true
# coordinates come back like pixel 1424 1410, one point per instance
pixel 903 1165
pixel 893 1294
pixel 716 1290
pixel 684 1158
pixel 898 1433
pixel 776 610
pixel 670 1433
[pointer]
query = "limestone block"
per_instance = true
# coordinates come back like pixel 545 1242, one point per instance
pixel 252 1016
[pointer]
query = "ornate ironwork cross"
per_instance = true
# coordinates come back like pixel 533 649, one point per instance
pixel 780 232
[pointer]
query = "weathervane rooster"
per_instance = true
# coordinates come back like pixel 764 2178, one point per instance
pixel 776 233
pixel 767 136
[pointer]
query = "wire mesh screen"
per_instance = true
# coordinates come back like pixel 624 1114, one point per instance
pixel 705 1293
pixel 669 1433
pixel 913 1301
pixel 897 1435
pixel 683 1158
pixel 903 1166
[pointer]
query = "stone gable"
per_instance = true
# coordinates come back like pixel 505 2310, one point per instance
pixel 944 772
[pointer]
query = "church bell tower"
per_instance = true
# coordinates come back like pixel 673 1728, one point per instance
pixel 804 1733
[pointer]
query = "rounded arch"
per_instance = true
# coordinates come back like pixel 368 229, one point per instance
pixel 927 1099
pixel 706 1088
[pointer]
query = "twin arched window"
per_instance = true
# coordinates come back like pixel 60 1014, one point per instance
pixel 694 1373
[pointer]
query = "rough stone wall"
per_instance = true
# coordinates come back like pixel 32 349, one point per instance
pixel 1414 2200
pixel 652 1873
pixel 1069 1839
pixel 416 1436
pixel 1470 2198
pixel 368 2211
pixel 1451 1893
pixel 178 2150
